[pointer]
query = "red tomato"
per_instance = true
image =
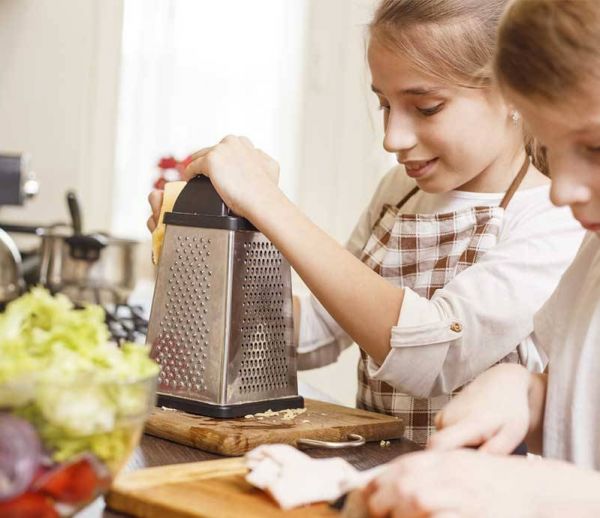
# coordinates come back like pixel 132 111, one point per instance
pixel 28 505
pixel 74 483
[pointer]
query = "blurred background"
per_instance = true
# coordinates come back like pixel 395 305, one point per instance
pixel 96 92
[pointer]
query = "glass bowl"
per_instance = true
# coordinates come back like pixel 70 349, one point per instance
pixel 63 441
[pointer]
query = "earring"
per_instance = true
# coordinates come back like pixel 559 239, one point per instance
pixel 515 116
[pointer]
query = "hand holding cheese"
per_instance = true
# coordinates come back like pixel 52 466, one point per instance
pixel 172 190
pixel 245 177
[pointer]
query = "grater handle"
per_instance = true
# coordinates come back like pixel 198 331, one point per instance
pixel 199 205
pixel 356 440
pixel 200 197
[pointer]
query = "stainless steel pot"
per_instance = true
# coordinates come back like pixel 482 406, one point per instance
pixel 11 270
pixel 107 278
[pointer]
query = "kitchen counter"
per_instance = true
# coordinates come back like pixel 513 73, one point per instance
pixel 158 452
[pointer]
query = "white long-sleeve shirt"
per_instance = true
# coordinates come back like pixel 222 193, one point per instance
pixel 567 329
pixel 494 300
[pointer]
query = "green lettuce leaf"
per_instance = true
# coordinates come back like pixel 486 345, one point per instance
pixel 59 369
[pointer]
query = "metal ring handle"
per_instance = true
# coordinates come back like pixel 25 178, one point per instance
pixel 357 440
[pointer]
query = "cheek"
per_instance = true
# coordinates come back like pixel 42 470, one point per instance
pixel 470 132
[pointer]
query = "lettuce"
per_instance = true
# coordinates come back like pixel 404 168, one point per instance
pixel 59 370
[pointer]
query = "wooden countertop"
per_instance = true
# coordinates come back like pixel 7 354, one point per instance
pixel 158 452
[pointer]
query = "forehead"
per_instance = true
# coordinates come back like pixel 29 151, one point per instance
pixel 391 67
pixel 576 115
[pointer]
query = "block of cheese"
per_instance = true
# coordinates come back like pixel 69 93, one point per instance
pixel 171 192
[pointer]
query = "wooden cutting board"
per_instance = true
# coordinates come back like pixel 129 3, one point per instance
pixel 210 489
pixel 233 437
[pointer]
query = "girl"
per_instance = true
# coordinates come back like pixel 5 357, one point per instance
pixel 558 413
pixel 460 244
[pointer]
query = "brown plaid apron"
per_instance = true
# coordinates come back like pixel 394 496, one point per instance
pixel 424 252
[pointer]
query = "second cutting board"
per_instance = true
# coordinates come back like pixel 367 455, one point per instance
pixel 233 437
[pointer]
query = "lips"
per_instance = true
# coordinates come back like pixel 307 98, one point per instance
pixel 418 168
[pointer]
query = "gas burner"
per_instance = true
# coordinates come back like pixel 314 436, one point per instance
pixel 126 323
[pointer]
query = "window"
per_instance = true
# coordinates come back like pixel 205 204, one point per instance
pixel 193 71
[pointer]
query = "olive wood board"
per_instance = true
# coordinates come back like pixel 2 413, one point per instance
pixel 234 437
pixel 209 489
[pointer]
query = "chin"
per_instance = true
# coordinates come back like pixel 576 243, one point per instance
pixel 435 185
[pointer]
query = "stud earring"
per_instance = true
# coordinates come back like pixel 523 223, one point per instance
pixel 515 116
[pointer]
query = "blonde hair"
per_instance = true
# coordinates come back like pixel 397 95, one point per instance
pixel 452 40
pixel 547 49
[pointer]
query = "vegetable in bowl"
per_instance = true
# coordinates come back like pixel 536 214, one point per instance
pixel 85 398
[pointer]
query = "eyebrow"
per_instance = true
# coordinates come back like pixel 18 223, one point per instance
pixel 417 90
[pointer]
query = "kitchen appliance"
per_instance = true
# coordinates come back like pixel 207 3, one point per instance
pixel 11 272
pixel 88 268
pixel 17 184
pixel 109 279
pixel 221 319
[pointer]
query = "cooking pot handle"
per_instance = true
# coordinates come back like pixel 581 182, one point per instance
pixel 356 440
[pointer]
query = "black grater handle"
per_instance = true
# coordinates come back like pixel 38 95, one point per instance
pixel 199 205
pixel 200 197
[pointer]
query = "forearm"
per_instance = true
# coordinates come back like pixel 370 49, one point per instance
pixel 364 304
pixel 538 384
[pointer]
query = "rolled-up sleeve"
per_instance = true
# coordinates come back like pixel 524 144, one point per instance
pixel 484 313
pixel 321 339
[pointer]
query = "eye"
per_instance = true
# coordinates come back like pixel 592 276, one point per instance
pixel 431 110
pixel 593 149
pixel 384 107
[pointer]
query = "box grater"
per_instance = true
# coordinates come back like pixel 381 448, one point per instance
pixel 221 319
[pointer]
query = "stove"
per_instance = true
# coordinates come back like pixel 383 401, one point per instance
pixel 126 323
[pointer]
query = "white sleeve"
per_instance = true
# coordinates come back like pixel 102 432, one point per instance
pixel 482 315
pixel 321 338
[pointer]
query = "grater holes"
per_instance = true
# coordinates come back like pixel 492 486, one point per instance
pixel 263 333
pixel 183 327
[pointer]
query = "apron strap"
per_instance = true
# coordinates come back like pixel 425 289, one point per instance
pixel 515 183
pixel 507 196
pixel 401 203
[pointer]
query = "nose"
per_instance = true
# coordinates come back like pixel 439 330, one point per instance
pixel 569 186
pixel 399 134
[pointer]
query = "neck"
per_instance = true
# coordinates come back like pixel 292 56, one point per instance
pixel 498 176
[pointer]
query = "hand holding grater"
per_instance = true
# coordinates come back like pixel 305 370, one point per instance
pixel 221 319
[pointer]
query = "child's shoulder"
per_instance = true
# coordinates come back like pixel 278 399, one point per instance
pixel 394 186
pixel 531 210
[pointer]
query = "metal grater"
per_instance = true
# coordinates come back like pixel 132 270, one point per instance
pixel 221 319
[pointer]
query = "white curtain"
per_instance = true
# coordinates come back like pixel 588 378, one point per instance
pixel 194 71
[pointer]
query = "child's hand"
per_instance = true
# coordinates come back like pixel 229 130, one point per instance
pixel 155 199
pixel 470 484
pixel 242 175
pixel 492 413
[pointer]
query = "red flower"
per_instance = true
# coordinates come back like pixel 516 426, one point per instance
pixel 168 162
